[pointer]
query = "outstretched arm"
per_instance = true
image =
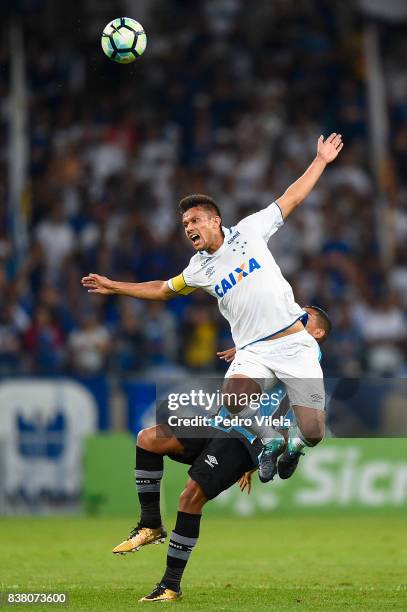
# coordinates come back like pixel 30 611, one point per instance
pixel 153 290
pixel 327 151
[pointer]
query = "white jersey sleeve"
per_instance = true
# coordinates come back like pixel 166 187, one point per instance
pixel 265 222
pixel 185 283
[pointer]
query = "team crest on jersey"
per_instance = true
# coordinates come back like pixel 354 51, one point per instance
pixel 236 276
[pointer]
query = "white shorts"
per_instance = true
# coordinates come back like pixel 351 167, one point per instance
pixel 293 359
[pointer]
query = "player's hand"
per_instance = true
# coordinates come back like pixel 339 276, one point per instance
pixel 246 481
pixel 95 283
pixel 329 149
pixel 228 355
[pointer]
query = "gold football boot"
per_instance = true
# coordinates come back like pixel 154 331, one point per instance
pixel 141 536
pixel 162 593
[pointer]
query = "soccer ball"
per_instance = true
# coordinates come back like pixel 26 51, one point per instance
pixel 123 40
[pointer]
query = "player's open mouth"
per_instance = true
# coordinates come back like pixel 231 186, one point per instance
pixel 195 238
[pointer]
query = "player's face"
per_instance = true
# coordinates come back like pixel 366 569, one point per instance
pixel 202 228
pixel 313 327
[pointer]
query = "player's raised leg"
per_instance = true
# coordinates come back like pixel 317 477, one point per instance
pixel 295 361
pixel 308 432
pixel 152 444
pixel 307 397
pixel 310 427
pixel 238 387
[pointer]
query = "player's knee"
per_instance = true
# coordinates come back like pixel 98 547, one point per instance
pixel 192 498
pixel 228 400
pixel 237 392
pixel 146 438
pixel 314 440
pixel 142 438
pixel 313 433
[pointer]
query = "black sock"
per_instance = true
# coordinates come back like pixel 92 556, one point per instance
pixel 183 539
pixel 148 473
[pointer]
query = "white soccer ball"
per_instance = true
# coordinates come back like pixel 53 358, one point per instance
pixel 124 40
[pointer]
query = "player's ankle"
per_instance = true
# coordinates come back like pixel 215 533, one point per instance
pixel 172 585
pixel 172 579
pixel 276 444
pixel 148 524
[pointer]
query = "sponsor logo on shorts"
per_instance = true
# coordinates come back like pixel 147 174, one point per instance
pixel 211 461
pixel 316 397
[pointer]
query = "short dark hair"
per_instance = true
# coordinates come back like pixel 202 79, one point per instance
pixel 201 200
pixel 323 319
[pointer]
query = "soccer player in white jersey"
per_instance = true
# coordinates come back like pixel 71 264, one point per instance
pixel 236 267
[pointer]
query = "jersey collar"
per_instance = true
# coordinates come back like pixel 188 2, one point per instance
pixel 226 232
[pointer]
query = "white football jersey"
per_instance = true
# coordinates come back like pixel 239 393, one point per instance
pixel 242 274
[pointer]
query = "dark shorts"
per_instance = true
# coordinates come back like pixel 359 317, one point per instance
pixel 193 447
pixel 216 462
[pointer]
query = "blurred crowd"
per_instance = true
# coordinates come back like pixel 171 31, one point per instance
pixel 229 100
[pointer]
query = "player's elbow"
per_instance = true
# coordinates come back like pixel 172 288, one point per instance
pixel 162 297
pixel 165 293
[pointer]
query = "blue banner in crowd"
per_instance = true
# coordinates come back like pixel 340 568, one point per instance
pixel 141 397
pixel 99 387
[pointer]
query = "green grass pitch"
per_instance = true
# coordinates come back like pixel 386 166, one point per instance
pixel 313 562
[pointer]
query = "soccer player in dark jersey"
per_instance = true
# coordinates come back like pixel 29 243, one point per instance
pixel 218 460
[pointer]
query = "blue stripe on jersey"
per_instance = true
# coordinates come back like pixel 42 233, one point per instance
pixel 303 318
